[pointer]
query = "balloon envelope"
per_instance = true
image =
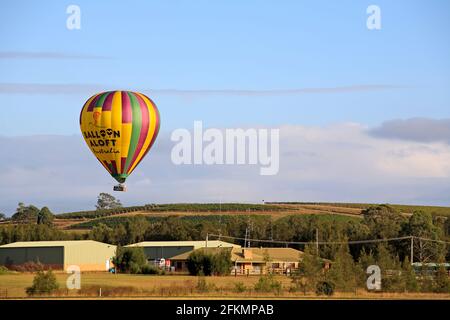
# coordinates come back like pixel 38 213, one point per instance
pixel 119 127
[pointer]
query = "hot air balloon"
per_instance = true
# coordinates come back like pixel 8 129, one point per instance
pixel 119 128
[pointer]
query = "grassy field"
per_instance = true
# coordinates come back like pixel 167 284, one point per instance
pixel 175 207
pixel 88 219
pixel 82 221
pixel 13 285
pixel 116 220
pixel 407 209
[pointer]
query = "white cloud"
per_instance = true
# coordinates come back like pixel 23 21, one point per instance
pixel 76 88
pixel 340 162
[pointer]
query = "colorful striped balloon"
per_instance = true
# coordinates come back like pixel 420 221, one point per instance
pixel 119 127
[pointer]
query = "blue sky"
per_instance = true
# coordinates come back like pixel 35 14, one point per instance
pixel 219 45
pixel 229 64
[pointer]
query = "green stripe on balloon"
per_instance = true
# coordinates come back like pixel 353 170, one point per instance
pixel 102 99
pixel 135 132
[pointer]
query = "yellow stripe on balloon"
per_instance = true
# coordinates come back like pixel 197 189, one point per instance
pixel 105 124
pixel 126 138
pixel 85 114
pixel 116 125
pixel 97 118
pixel 87 123
pixel 151 130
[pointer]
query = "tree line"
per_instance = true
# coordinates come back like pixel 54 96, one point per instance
pixel 378 222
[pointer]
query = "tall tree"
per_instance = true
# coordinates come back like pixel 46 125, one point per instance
pixel 45 216
pixel 421 225
pixel 365 260
pixel 390 269
pixel 343 272
pixel 409 278
pixel 383 221
pixel 107 201
pixel 442 280
pixel 25 214
pixel 119 236
pixel 101 233
pixel 136 228
pixel 311 269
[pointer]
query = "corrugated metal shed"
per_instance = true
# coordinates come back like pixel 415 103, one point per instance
pixel 89 255
pixel 168 249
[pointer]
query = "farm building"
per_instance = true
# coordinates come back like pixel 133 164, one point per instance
pixel 261 260
pixel 155 250
pixel 87 254
pixel 251 260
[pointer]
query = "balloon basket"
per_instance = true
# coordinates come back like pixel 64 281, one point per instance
pixel 120 187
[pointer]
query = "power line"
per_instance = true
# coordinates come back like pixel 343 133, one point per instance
pixel 330 242
pixel 432 240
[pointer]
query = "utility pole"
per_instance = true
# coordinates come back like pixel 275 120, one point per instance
pixel 220 217
pixel 412 250
pixel 250 229
pixel 246 235
pixel 207 240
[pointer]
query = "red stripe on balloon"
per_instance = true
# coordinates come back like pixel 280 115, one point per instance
pixel 107 104
pixel 126 108
pixel 123 161
pixel 93 103
pixel 155 134
pixel 107 166
pixel 114 166
pixel 145 124
pixel 156 124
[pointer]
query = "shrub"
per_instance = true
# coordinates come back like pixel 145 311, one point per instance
pixel 268 284
pixel 239 287
pixel 442 281
pixel 202 286
pixel 149 269
pixel 325 288
pixel 221 262
pixel 200 262
pixel 208 263
pixel 43 283
pixel 134 268
pixel 130 260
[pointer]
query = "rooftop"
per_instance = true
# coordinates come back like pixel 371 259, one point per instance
pixel 185 255
pixel 270 254
pixel 28 244
pixel 195 244
pixel 258 254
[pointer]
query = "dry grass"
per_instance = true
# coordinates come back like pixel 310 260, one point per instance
pixel 177 286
